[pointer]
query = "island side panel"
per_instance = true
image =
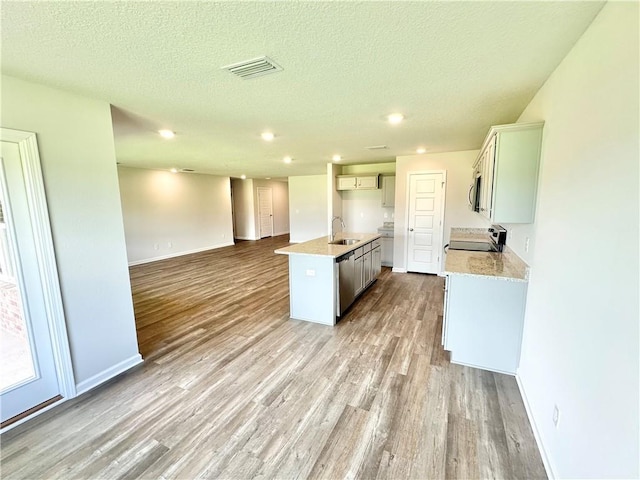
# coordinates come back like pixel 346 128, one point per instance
pixel 312 288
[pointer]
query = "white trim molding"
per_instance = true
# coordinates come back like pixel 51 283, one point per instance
pixel 108 374
pixel 536 433
pixel 179 254
pixel 34 185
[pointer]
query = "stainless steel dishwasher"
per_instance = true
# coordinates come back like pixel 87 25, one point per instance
pixel 346 282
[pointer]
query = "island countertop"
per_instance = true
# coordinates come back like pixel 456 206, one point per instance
pixel 322 248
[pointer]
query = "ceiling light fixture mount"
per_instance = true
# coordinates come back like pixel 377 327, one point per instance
pixel 395 118
pixel 287 159
pixel 267 136
pixel 167 133
pixel 421 150
pixel 243 177
pixel 336 158
pixel 174 170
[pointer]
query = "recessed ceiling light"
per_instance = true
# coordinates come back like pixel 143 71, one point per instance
pixel 395 118
pixel 421 150
pixel 267 136
pixel 287 159
pixel 243 177
pixel 174 170
pixel 337 158
pixel 267 178
pixel 167 133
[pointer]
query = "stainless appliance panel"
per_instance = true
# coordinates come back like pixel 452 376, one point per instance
pixel 346 281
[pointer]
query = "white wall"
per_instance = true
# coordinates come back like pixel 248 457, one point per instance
pixel 334 199
pixel 244 209
pixel 77 152
pixel 280 191
pixel 457 214
pixel 362 210
pixel 308 207
pixel 170 214
pixel 580 348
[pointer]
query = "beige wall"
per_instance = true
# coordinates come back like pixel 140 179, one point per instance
pixel 170 214
pixel 308 207
pixel 458 166
pixel 77 152
pixel 580 348
pixel 244 212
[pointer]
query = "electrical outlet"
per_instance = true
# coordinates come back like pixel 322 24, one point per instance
pixel 526 244
pixel 310 273
pixel 386 215
pixel 156 246
pixel 556 416
pixel 169 244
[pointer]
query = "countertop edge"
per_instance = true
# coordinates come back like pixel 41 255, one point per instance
pixel 324 241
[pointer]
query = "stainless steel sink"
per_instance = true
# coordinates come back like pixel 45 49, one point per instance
pixel 345 241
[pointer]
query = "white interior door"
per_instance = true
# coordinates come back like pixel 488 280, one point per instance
pixel 35 364
pixel 265 211
pixel 424 238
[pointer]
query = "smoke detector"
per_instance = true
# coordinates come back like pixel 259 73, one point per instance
pixel 255 67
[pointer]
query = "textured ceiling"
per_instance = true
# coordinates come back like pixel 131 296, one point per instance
pixel 453 68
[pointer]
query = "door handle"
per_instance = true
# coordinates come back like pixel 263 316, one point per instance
pixel 411 229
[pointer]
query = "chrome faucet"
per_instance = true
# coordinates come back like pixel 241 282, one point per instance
pixel 333 234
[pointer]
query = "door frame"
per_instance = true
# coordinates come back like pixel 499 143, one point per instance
pixel 258 190
pixel 41 225
pixel 406 213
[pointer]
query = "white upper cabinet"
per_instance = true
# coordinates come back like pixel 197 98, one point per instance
pixel 359 182
pixel 388 190
pixel 508 163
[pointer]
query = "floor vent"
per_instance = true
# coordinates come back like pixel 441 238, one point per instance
pixel 253 68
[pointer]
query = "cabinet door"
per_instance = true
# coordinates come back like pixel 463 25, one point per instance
pixel 358 275
pixel 366 268
pixel 346 183
pixel 368 182
pixel 376 262
pixel 387 251
pixel 388 191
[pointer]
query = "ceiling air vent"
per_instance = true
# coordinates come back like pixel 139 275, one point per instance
pixel 254 67
pixel 377 147
pixel 187 170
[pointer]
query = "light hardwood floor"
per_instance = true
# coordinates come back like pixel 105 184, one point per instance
pixel 232 388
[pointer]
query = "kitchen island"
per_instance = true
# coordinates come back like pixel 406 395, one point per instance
pixel 314 276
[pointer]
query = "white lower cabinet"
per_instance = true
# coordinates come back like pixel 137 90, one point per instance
pixel 358 277
pixel 376 262
pixel 483 320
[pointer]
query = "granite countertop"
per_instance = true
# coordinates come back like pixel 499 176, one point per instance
pixel 322 248
pixel 506 265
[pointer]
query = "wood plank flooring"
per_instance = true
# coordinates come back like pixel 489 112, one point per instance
pixel 231 388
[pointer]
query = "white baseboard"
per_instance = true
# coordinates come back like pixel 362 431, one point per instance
pixel 399 270
pixel 179 254
pixel 536 433
pixel 108 374
pixel 251 239
pixel 277 234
